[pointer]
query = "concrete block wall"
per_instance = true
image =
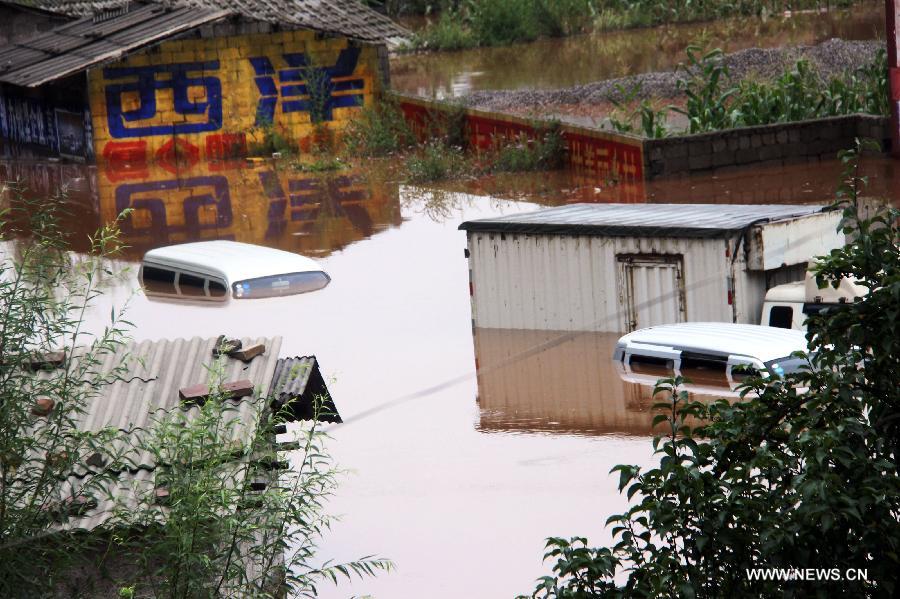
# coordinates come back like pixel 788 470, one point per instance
pixel 213 95
pixel 767 145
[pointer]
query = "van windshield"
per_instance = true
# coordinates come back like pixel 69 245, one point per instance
pixel 788 365
pixel 278 285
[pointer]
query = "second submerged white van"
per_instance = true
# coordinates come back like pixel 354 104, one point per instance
pixel 714 356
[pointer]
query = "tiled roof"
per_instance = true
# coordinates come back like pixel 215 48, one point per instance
pixel 345 17
pixel 155 371
pixel 72 47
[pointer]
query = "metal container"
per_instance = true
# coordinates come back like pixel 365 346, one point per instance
pixel 620 267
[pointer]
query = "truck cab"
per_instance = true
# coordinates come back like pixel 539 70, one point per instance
pixel 787 306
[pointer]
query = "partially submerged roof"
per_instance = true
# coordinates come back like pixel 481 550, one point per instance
pixel 298 383
pixel 73 47
pixel 155 372
pixel 351 18
pixel 642 220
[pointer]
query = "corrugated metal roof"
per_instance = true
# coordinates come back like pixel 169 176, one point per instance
pixel 155 371
pixel 641 220
pixel 73 47
pixel 344 17
pixel 299 380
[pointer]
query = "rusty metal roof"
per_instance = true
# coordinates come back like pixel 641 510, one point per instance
pixel 154 373
pixel 299 380
pixel 73 47
pixel 641 220
pixel 351 18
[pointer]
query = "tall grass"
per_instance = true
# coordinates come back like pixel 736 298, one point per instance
pixel 469 23
pixel 502 22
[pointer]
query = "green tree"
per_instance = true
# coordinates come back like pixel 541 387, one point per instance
pixel 801 473
pixel 45 386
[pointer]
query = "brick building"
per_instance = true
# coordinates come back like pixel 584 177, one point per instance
pixel 133 83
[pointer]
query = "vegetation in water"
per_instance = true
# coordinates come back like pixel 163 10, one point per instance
pixel 802 472
pixel 379 130
pixel 469 23
pixel 445 153
pixel 219 515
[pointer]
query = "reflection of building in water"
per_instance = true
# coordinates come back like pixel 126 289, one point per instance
pixel 278 207
pixel 313 214
pixel 557 381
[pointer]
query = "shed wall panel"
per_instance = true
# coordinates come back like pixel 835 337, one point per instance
pixel 569 283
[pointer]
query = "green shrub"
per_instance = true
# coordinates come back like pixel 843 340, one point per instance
pixel 435 162
pixel 378 130
pixel 449 32
pixel 547 152
pixel 802 472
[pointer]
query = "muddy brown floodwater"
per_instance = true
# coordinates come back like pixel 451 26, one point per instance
pixel 607 55
pixel 457 476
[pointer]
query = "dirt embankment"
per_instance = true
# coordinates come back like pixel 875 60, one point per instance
pixel 828 59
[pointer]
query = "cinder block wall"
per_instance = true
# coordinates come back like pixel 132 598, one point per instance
pixel 767 145
pixel 215 94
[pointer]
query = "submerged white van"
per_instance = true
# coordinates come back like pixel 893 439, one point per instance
pixel 714 356
pixel 215 270
pixel 787 306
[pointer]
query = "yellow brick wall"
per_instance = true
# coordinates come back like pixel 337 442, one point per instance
pixel 122 118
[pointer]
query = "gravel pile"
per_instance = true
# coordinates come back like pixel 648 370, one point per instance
pixel 828 59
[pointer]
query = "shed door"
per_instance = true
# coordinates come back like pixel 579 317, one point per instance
pixel 651 289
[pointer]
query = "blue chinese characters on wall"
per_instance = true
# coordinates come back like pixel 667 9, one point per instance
pixel 305 88
pixel 146 81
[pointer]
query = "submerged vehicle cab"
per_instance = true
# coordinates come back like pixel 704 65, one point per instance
pixel 714 356
pixel 215 270
pixel 787 306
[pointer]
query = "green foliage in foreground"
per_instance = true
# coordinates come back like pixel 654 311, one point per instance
pixel 231 522
pixel 803 472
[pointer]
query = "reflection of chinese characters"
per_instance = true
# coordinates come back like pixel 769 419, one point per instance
pixel 338 196
pixel 192 96
pixel 306 88
pixel 197 197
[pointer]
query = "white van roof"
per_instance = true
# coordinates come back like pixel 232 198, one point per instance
pixel 231 260
pixel 722 338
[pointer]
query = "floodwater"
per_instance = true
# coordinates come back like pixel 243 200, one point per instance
pixel 607 55
pixel 456 475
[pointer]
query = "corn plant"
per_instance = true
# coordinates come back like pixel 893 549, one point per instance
pixel 707 90
pixel 644 119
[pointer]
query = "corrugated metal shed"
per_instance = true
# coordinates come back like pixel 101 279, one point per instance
pixel 76 46
pixel 644 220
pixel 155 371
pixel 344 17
pixel 299 383
pixel 620 267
